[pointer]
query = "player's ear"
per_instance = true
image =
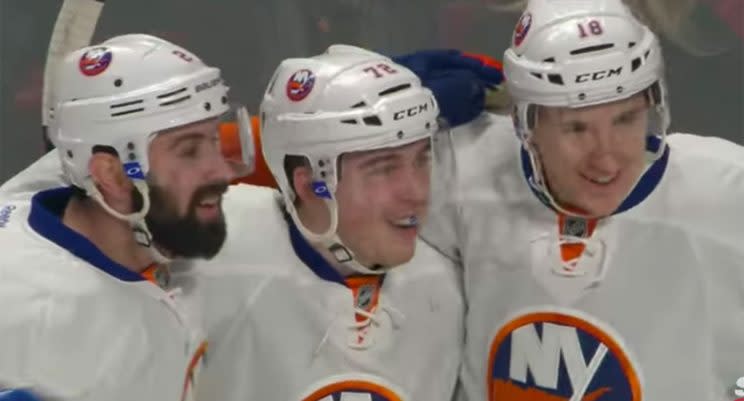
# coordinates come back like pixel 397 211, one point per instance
pixel 302 178
pixel 312 210
pixel 109 176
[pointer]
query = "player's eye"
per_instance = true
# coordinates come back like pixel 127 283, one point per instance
pixel 189 151
pixel 574 127
pixel 424 159
pixel 627 118
pixel 385 169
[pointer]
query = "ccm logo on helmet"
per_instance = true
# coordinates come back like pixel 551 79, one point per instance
pixel 599 75
pixel 410 112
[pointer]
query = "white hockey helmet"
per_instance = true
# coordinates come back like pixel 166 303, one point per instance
pixel 345 100
pixel 577 53
pixel 120 94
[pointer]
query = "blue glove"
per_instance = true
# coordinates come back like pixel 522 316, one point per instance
pixel 17 395
pixel 458 80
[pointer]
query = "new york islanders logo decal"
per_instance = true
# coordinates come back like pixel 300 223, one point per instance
pixel 95 61
pixel 522 28
pixel 300 84
pixel 353 388
pixel 559 356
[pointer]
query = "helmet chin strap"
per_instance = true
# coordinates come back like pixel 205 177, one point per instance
pixel 330 239
pixel 136 220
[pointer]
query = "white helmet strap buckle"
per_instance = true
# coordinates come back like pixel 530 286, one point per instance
pixel 136 220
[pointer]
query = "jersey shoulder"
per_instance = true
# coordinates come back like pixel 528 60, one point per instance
pixel 473 162
pixel 45 173
pixel 711 153
pixel 60 312
pixel 257 240
pixel 486 156
pixel 430 265
pixel 702 190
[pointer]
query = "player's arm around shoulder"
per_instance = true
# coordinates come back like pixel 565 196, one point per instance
pixel 440 231
pixel 45 173
pixel 444 271
pixel 465 159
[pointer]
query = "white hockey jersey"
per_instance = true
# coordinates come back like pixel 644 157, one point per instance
pixel 283 325
pixel 75 325
pixel 44 173
pixel 654 309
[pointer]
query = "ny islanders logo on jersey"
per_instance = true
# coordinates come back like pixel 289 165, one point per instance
pixel 559 356
pixel 354 387
pixel 95 61
pixel 300 84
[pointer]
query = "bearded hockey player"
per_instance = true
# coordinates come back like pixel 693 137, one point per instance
pixel 88 312
pixel 330 295
pixel 603 259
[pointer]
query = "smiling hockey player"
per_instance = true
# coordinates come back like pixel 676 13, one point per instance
pixel 603 258
pixel 329 294
pixel 87 310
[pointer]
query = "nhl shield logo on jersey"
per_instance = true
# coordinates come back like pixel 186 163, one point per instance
pixel 95 61
pixel 360 387
pixel 364 296
pixel 300 84
pixel 559 356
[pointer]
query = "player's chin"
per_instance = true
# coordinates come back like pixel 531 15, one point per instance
pixel 399 253
pixel 601 206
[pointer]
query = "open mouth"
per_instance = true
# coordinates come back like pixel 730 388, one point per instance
pixel 603 180
pixel 209 206
pixel 406 222
pixel 210 201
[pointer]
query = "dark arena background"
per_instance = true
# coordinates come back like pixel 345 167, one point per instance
pixel 703 42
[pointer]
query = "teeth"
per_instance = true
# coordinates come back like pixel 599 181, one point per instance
pixel 210 201
pixel 602 180
pixel 410 221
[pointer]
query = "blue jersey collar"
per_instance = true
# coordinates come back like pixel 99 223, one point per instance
pixel 47 209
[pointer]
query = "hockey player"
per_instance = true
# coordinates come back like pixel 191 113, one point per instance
pixel 87 310
pixel 335 298
pixel 603 259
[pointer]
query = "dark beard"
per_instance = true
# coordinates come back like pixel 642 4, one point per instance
pixel 185 236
